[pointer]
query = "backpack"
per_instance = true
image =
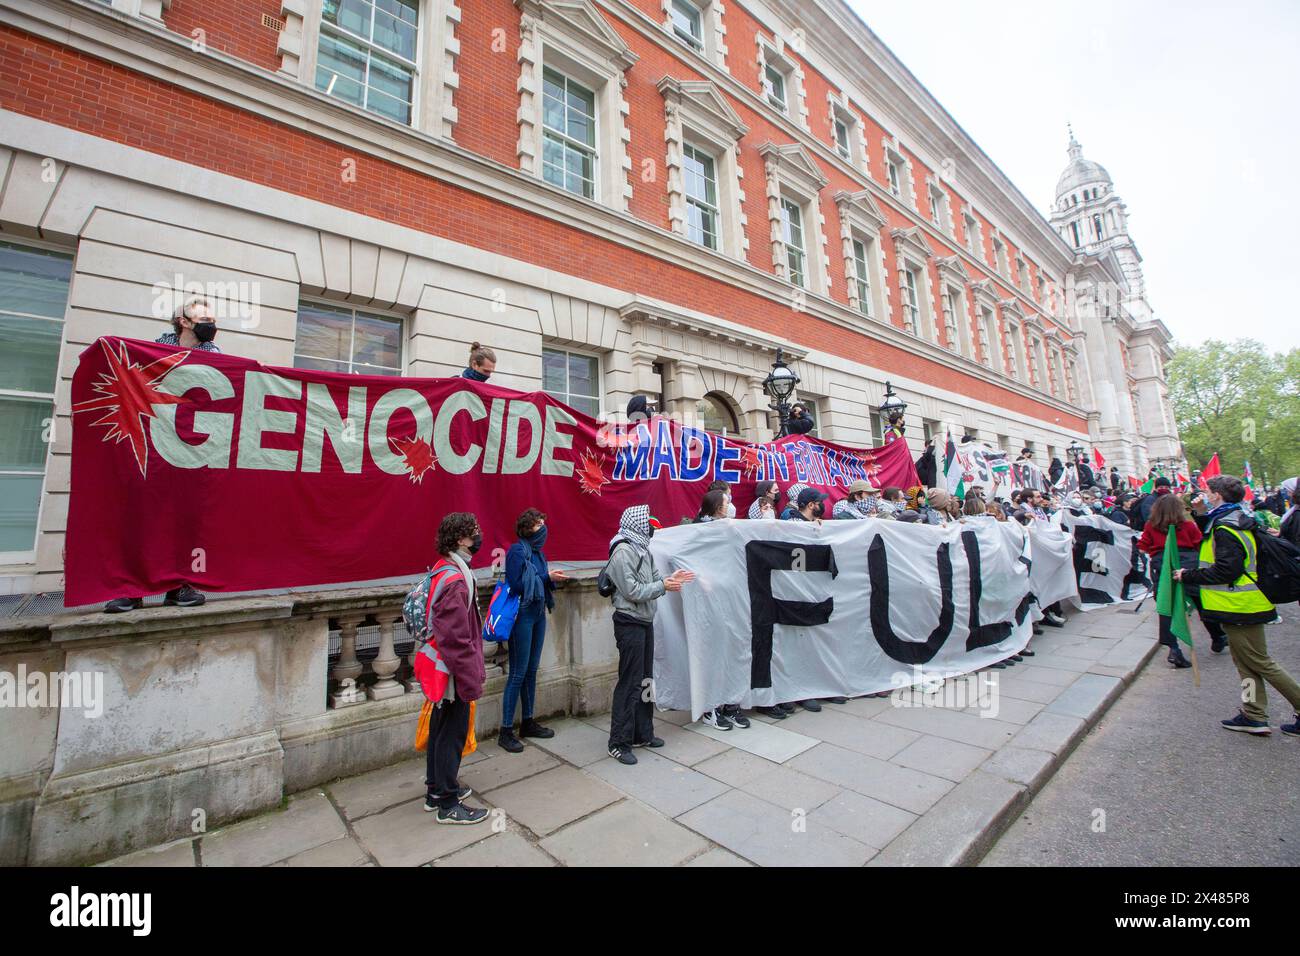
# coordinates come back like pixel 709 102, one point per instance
pixel 1279 568
pixel 605 586
pixel 419 600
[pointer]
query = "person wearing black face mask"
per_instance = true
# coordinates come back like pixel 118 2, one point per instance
pixel 482 363
pixel 457 626
pixel 810 506
pixel 193 327
pixel 529 577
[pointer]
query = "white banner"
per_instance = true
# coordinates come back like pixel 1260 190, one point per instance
pixel 788 610
pixel 1109 568
pixel 979 464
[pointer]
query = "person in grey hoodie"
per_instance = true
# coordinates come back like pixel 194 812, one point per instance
pixel 637 585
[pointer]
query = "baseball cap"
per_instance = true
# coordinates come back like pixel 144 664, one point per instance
pixel 809 496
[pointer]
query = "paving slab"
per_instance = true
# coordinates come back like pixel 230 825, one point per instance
pixel 772 836
pixel 379 789
pixel 1054 733
pixel 549 800
pixel 763 738
pixel 1058 661
pixel 626 834
pixel 408 836
pixel 1087 697
pixel 500 768
pixel 953 724
pixel 678 718
pixel 717 857
pixel 500 849
pixel 736 767
pixel 960 827
pixel 309 820
pixel 870 736
pixel 942 757
pixel 178 853
pixel 1009 710
pixel 575 742
pixel 345 852
pixel 687 748
pixel 1021 765
pixel 1024 687
pixel 865 706
pixel 1045 673
pixel 663 784
pixel 866 820
pixel 791 789
pixel 902 787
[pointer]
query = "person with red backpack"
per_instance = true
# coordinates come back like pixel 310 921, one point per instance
pixel 454 651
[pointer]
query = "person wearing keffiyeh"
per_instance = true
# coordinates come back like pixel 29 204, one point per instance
pixel 792 497
pixel 765 493
pixel 637 585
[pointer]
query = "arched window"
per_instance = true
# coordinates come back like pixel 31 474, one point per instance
pixel 1096 226
pixel 715 415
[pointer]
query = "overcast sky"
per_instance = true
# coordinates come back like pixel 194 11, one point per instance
pixel 1191 106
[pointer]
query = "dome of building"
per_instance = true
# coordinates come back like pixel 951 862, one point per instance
pixel 1080 172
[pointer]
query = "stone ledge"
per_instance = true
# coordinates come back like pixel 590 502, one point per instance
pixel 236 612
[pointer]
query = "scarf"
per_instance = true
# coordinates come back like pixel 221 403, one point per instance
pixel 1224 509
pixel 534 575
pixel 634 528
pixel 463 565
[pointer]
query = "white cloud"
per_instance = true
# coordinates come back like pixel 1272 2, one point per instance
pixel 1191 107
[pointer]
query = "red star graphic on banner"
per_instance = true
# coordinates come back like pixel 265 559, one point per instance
pixel 416 455
pixel 750 460
pixel 590 474
pixel 127 393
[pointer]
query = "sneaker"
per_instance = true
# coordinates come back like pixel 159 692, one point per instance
pixel 811 706
pixel 1027 653
pixel 1292 730
pixel 460 815
pixel 788 707
pixel 1037 630
pixel 508 742
pixel 1217 644
pixel 836 700
pixel 716 719
pixel 1053 620
pixel 654 743
pixel 776 713
pixel 1177 659
pixel 118 605
pixel 735 716
pixel 1246 725
pixel 185 596
pixel 431 802
pixel 531 728
pixel 623 754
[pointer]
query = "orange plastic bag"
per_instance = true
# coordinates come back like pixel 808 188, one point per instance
pixel 422 728
pixel 471 742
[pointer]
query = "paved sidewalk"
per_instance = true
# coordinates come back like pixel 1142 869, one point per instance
pixel 868 782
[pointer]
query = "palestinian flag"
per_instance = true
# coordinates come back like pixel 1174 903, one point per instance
pixel 954 474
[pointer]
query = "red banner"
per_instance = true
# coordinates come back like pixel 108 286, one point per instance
pixel 213 470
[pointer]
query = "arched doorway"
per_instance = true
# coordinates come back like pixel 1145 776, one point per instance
pixel 714 414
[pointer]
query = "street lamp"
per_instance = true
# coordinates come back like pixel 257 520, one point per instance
pixel 892 404
pixel 1075 451
pixel 779 386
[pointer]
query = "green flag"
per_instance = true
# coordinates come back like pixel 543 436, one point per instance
pixel 1148 487
pixel 1171 602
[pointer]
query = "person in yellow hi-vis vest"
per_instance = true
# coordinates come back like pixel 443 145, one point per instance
pixel 1227 579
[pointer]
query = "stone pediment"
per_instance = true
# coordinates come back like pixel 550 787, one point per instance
pixel 912 240
pixel 952 269
pixel 860 207
pixel 702 96
pixel 581 19
pixel 793 160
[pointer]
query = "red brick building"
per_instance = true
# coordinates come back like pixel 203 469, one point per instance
pixel 619 196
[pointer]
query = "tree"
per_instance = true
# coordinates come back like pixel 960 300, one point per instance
pixel 1240 400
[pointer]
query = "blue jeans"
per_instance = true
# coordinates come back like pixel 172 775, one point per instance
pixel 525 650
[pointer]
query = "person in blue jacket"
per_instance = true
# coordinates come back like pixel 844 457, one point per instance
pixel 528 576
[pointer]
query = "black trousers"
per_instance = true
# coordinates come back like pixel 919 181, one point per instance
pixel 448 728
pixel 632 715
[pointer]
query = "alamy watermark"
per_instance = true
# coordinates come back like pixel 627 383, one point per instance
pixel 919 689
pixel 68 690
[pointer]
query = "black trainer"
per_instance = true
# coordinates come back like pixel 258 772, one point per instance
pixel 836 700
pixel 508 742
pixel 529 727
pixel 776 713
pixel 788 707
pixel 654 743
pixel 623 754
pixel 811 706
pixel 461 815
pixel 184 596
pixel 431 802
pixel 119 605
pixel 1217 644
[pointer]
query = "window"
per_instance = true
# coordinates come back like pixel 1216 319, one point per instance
pixel 569 134
pixel 1000 255
pixel 973 242
pixel 1022 274
pixel 895 178
pixel 714 414
pixel 572 378
pixel 861 272
pixel 877 430
pixel 367 54
pixel 792 237
pixel 939 212
pixel 774 86
pixel 1097 227
pixel 1074 233
pixel 338 339
pixel 911 301
pixel 33 298
pixel 688 23
pixel 842 139
pixel 701 185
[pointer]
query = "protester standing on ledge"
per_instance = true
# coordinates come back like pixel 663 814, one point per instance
pixel 193 327
pixel 457 627
pixel 637 585
pixel 528 576
pixel 1229 594
pixel 482 363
